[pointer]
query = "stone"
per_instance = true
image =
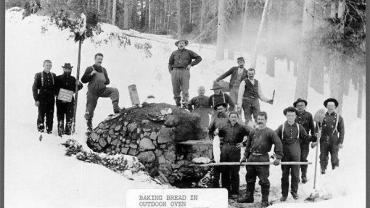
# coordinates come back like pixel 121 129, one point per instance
pixel 124 130
pixel 109 140
pixel 132 152
pixel 163 146
pixel 94 137
pixel 111 132
pixel 102 142
pixel 158 152
pixel 165 135
pixel 103 126
pixel 131 127
pixel 145 121
pixel 161 160
pixel 146 157
pixel 146 144
pixel 170 156
pixel 147 129
pixel 133 146
pixel 153 136
pixel 124 150
pixel 125 123
pixel 138 130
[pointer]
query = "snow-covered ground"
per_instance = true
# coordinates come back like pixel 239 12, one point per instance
pixel 37 174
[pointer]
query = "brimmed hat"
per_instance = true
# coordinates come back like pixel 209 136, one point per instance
pixel 67 66
pixel 331 100
pixel 240 58
pixel 289 109
pixel 186 42
pixel 216 86
pixel 298 101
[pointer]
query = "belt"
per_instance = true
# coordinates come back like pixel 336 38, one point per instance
pixel 180 68
pixel 230 143
pixel 258 154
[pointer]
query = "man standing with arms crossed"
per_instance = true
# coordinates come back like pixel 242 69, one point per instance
pixel 258 145
pixel 97 77
pixel 179 66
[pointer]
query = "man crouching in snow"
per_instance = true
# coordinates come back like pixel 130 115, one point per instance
pixel 97 77
pixel 258 145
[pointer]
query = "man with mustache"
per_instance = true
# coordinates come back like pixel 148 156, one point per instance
pixel 305 119
pixel 249 95
pixel 97 77
pixel 292 135
pixel 179 66
pixel 258 145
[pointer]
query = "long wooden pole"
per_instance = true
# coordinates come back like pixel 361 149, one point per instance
pixel 316 157
pixel 250 163
pixel 76 88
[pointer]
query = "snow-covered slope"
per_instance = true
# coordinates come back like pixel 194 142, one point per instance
pixel 37 174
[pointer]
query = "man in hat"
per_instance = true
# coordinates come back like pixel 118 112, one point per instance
pixel 238 73
pixel 231 138
pixel 258 145
pixel 219 120
pixel 179 66
pixel 220 97
pixel 305 119
pixel 65 108
pixel 44 91
pixel 97 77
pixel 332 135
pixel 201 107
pixel 249 95
pixel 291 134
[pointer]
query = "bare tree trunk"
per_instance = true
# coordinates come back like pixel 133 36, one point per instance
pixel 305 58
pixel 133 14
pixel 147 15
pixel 150 15
pixel 126 14
pixel 317 72
pixel 221 30
pixel 336 77
pixel 190 14
pixel 98 6
pixel 271 30
pixel 202 14
pixel 263 19
pixel 245 22
pixel 360 94
pixel 169 17
pixel 109 10
pixel 179 26
pixel 114 9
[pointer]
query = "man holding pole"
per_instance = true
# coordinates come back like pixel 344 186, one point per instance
pixel 248 97
pixel 305 119
pixel 258 145
pixel 97 77
pixel 291 134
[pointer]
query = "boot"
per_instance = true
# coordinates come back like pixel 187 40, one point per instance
pixel 178 102
pixel 283 198
pixel 67 130
pixel 322 171
pixel 89 125
pixel 265 190
pixel 294 195
pixel 264 204
pixel 116 108
pixel 40 128
pixel 249 195
pixel 60 128
pixel 304 179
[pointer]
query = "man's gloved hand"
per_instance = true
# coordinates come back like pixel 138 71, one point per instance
pixel 340 146
pixel 37 103
pixel 188 67
pixel 313 144
pixel 276 162
pixel 271 101
pixel 313 138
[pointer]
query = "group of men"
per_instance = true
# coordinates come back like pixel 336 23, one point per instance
pixel 291 139
pixel 49 89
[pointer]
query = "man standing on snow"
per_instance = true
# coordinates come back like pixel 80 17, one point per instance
pixel 97 77
pixel 305 119
pixel 220 97
pixel 65 108
pixel 179 66
pixel 258 145
pixel 44 91
pixel 238 74
pixel 291 134
pixel 248 97
pixel 201 107
pixel 332 135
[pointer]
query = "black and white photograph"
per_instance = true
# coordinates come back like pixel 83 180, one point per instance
pixel 185 103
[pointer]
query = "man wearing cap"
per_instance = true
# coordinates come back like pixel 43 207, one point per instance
pixel 219 120
pixel 248 96
pixel 179 66
pixel 97 77
pixel 332 135
pixel 44 91
pixel 238 73
pixel 201 107
pixel 220 97
pixel 65 108
pixel 291 134
pixel 258 145
pixel 305 119
pixel 231 138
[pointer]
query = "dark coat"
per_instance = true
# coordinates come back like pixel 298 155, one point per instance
pixel 261 140
pixel 234 75
pixel 329 132
pixel 199 102
pixel 87 77
pixel 67 82
pixel 182 58
pixel 234 134
pixel 291 134
pixel 305 119
pixel 44 87
pixel 216 99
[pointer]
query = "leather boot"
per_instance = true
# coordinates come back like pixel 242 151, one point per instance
pixel 178 102
pixel 265 190
pixel 249 196
pixel 60 128
pixel 67 130
pixel 116 108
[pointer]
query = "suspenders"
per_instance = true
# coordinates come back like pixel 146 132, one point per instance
pixel 282 132
pixel 213 99
pixel 43 81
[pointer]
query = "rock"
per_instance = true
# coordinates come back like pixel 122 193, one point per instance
pixel 111 132
pixel 102 142
pixel 147 134
pixel 124 150
pixel 124 130
pixel 163 146
pixel 158 152
pixel 133 146
pixel 138 130
pixel 131 127
pixel 153 136
pixel 146 144
pixel 161 160
pixel 132 152
pixel 146 157
pixel 145 121
pixel 147 129
pixel 125 123
pixel 103 126
pixel 94 137
pixel 165 135
pixel 109 140
pixel 170 156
